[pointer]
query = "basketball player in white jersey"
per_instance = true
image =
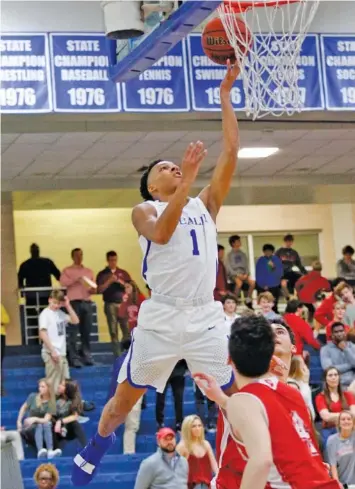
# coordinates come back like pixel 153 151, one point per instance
pixel 181 320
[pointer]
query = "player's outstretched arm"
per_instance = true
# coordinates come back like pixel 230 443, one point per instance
pixel 245 414
pixel 144 216
pixel 214 195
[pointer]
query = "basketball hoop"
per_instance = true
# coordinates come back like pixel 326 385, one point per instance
pixel 269 71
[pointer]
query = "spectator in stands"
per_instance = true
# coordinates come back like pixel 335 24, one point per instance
pixel 324 312
pixel 290 260
pixel 200 401
pixel 300 374
pixel 177 383
pixel 339 353
pixel 68 410
pixel 46 476
pixel 301 329
pixel 14 438
pixel 5 320
pixel 237 266
pixel 268 273
pixel 79 281
pixel 37 427
pixel 346 293
pixel 341 450
pixel 230 311
pixel 331 402
pixel 129 307
pixel 310 286
pixel 198 452
pixel 346 266
pixel 165 469
pixel 266 303
pixel 111 284
pixel 52 326
pixel 221 289
pixel 37 271
pixel 338 317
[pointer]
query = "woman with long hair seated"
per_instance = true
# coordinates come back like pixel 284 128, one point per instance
pixel 132 301
pixel 69 407
pixel 300 373
pixel 331 402
pixel 341 450
pixel 37 427
pixel 199 453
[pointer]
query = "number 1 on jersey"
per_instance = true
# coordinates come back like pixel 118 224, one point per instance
pixel 195 250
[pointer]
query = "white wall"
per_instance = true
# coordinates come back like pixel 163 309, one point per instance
pixel 32 16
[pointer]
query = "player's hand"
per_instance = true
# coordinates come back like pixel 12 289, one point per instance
pixel 210 388
pixel 230 77
pixel 193 157
pixel 277 367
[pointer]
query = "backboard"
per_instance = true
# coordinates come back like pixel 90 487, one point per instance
pixel 163 30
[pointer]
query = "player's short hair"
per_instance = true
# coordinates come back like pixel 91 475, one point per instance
pixel 293 305
pixel 220 247
pixel 269 247
pixel 289 237
pixel 251 345
pixel 283 323
pixel 232 239
pixel 144 181
pixel 110 253
pixel 348 250
pixel 267 296
pixel 57 295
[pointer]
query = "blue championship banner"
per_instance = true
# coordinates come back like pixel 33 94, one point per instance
pixel 338 57
pixel 161 88
pixel 309 68
pixel 80 74
pixel 25 74
pixel 205 79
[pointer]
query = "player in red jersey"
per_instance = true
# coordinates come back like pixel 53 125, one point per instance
pixel 270 421
pixel 230 464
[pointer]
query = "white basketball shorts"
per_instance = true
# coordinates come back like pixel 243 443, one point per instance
pixel 169 332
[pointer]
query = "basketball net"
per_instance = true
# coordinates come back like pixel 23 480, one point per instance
pixel 269 71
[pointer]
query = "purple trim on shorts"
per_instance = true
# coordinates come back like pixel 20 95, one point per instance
pixel 228 384
pixel 129 376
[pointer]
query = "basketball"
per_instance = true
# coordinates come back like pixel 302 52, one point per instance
pixel 215 42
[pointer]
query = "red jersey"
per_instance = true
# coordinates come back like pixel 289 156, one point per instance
pixel 297 463
pixel 302 331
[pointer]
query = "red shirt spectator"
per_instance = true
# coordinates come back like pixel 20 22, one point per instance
pixel 310 285
pixel 132 301
pixel 221 282
pixel 324 313
pixel 334 407
pixel 301 329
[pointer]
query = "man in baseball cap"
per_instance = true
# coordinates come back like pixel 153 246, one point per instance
pixel 165 469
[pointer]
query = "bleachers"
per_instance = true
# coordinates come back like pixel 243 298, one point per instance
pixel 117 470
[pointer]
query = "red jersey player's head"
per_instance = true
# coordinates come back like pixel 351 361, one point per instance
pixel 160 180
pixel 284 340
pixel 251 346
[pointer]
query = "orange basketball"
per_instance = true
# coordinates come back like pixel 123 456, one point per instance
pixel 215 42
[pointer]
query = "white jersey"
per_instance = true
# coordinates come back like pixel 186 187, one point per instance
pixel 185 267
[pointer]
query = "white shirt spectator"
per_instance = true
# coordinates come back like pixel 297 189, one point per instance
pixel 55 323
pixel 229 320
